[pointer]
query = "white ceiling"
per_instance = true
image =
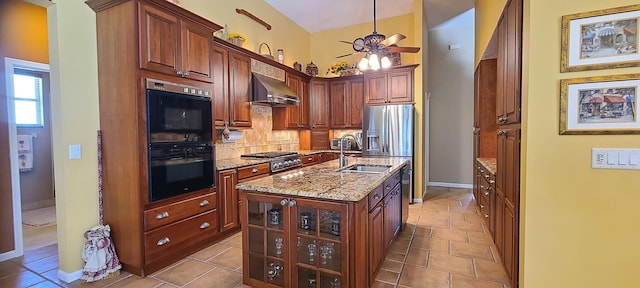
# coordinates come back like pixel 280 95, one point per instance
pixel 316 16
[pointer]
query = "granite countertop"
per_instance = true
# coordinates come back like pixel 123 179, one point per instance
pixel 238 162
pixel 233 163
pixel 489 164
pixel 325 182
pixel 310 152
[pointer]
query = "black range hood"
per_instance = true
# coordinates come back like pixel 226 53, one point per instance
pixel 269 91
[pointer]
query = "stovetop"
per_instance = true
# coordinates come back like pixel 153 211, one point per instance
pixel 272 154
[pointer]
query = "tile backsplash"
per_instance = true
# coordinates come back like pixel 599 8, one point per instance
pixel 260 137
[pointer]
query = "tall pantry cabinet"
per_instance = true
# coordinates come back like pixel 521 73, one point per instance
pixel 136 40
pixel 498 88
pixel 508 145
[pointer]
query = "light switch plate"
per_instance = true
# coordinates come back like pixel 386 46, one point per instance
pixel 615 158
pixel 75 151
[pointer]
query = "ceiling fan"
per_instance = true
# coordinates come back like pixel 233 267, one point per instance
pixel 375 46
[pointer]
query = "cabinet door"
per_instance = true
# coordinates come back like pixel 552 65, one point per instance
pixel 508 164
pixel 498 233
pixel 304 108
pixel 376 241
pixel 400 85
pixel 513 56
pixel 266 245
pixel 338 99
pixel 293 119
pixel 510 251
pixel 355 102
pixel 239 90
pixel 319 139
pixel 228 197
pixel 321 254
pixel 319 105
pixel 220 73
pixel 375 88
pixel 159 40
pixel 501 71
pixel 196 55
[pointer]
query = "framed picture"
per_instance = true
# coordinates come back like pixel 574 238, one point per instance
pixel 602 39
pixel 600 105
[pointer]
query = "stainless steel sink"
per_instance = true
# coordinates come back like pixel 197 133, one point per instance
pixel 363 168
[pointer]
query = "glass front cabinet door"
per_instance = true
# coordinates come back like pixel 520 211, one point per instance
pixel 294 242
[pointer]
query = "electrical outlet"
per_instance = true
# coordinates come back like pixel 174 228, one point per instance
pixel 615 158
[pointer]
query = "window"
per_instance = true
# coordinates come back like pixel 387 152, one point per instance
pixel 28 93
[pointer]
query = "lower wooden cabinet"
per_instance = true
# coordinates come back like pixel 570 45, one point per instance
pixel 169 238
pixel 228 197
pixel 376 241
pixel 304 242
pixel 294 242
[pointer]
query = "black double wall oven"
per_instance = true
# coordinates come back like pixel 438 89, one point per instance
pixel 179 136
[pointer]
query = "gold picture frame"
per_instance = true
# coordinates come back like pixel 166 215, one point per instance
pixel 602 105
pixel 602 39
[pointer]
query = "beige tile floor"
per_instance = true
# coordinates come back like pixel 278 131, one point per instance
pixel 445 244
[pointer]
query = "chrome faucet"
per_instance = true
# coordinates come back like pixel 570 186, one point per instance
pixel 344 161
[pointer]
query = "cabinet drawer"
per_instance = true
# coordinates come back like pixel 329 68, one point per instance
pixel 375 197
pixel 391 182
pixel 180 234
pixel 309 159
pixel 157 217
pixel 253 170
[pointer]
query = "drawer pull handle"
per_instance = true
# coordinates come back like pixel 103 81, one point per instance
pixel 309 158
pixel 162 215
pixel 254 170
pixel 492 181
pixel 486 176
pixel 283 202
pixel 481 206
pixel 204 203
pixel 205 225
pixel 486 215
pixel 292 203
pixel 163 241
pixel 481 186
pixel 376 197
pixel 486 193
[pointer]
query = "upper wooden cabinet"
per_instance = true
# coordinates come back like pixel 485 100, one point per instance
pixel 294 117
pixel 389 86
pixel 509 33
pixel 346 98
pixel 319 104
pixel 239 90
pixel 231 88
pixel 173 45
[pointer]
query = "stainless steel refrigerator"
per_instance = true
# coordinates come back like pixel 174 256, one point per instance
pixel 388 132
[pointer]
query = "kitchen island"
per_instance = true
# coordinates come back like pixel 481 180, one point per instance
pixel 321 226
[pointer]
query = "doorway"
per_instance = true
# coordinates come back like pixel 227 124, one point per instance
pixel 29 108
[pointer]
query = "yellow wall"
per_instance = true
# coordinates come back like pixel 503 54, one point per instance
pixel 74 96
pixel 285 34
pixel 23 31
pixel 487 15
pixel 578 225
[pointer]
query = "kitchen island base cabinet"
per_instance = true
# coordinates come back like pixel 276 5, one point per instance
pixel 294 242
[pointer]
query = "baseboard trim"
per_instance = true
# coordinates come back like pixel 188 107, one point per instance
pixel 69 277
pixel 8 255
pixel 450 185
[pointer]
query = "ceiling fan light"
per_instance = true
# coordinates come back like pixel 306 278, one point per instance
pixel 373 62
pixel 363 64
pixel 385 62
